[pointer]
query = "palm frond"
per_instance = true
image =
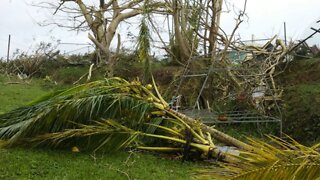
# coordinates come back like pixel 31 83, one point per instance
pixel 110 99
pixel 280 159
pixel 283 171
pixel 104 134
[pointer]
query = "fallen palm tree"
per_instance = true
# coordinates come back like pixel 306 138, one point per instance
pixel 109 115
pixel 114 114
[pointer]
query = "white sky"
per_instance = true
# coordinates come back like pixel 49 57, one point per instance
pixel 266 19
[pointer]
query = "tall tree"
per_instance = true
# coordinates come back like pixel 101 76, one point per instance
pixel 185 18
pixel 102 20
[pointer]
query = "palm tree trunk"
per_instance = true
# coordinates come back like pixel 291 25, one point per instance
pixel 220 136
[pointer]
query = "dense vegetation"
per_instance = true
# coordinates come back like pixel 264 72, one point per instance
pixel 292 159
pixel 17 163
pixel 100 104
pixel 301 101
pixel 300 82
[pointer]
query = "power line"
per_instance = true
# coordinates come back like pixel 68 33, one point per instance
pixel 79 44
pixel 86 47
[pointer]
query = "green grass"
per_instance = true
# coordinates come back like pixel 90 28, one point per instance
pixel 18 93
pixel 54 164
pixel 18 163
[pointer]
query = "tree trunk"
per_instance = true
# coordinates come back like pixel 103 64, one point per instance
pixel 104 33
pixel 220 136
pixel 216 7
pixel 181 42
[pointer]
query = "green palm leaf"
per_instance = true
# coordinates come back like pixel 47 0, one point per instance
pixel 284 171
pixel 104 134
pixel 110 99
pixel 280 159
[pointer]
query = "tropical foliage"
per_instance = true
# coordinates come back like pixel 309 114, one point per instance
pixel 114 114
pixel 280 159
pixel 143 42
pixel 108 115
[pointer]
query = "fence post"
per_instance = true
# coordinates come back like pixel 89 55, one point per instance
pixel 8 52
pixel 285 33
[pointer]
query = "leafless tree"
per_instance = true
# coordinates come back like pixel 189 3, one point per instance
pixel 101 19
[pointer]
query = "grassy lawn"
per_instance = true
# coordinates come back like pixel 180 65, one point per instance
pixel 18 163
pixel 15 95
pixel 57 164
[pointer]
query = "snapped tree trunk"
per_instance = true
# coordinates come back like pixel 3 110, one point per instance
pixel 218 135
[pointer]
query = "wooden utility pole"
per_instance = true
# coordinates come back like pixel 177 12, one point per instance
pixel 8 52
pixel 285 33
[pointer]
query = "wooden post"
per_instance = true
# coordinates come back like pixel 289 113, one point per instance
pixel 252 39
pixel 285 33
pixel 8 52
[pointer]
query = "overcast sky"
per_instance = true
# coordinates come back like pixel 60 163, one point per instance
pixel 266 19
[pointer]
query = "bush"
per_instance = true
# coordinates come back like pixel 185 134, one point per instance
pixel 302 113
pixel 68 75
pixel 30 64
